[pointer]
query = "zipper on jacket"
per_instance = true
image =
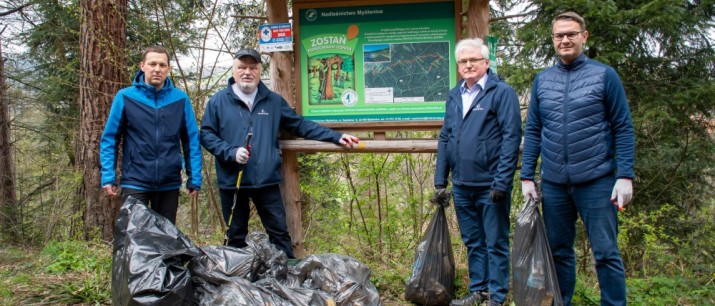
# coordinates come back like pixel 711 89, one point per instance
pixel 156 140
pixel 566 142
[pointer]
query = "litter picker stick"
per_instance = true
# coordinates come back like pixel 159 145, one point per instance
pixel 238 185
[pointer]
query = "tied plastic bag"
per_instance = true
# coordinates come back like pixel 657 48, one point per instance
pixel 148 260
pixel 534 273
pixel 259 275
pixel 432 279
pixel 342 277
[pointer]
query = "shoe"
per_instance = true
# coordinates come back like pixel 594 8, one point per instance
pixel 474 298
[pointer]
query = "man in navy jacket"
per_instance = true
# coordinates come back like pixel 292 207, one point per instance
pixel 156 121
pixel 247 105
pixel 580 124
pixel 479 145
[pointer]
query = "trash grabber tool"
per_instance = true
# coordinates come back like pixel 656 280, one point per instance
pixel 238 185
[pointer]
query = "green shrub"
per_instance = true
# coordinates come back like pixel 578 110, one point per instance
pixel 87 268
pixel 661 290
pixel 71 256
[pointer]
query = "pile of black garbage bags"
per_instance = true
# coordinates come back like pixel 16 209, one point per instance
pixel 155 264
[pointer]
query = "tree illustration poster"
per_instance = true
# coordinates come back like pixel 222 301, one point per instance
pixel 388 62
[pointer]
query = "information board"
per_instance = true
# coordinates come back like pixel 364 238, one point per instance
pixel 369 63
pixel 275 37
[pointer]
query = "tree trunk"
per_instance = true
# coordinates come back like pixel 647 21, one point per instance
pixel 328 93
pixel 102 73
pixel 478 19
pixel 282 80
pixel 9 212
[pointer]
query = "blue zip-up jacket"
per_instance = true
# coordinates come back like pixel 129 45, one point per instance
pixel 226 122
pixel 157 126
pixel 481 149
pixel 580 124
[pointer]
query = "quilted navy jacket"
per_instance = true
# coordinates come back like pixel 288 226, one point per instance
pixel 481 149
pixel 157 128
pixel 580 124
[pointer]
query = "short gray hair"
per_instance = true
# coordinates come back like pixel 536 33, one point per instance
pixel 471 43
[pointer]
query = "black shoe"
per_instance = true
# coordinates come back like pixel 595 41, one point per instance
pixel 472 299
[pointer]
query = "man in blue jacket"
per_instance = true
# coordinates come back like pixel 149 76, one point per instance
pixel 247 105
pixel 479 145
pixel 580 124
pixel 156 122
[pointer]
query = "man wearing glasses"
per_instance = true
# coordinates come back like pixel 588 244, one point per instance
pixel 479 145
pixel 580 125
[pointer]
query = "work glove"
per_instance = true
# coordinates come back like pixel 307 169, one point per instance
pixel 242 155
pixel 441 196
pixel 622 193
pixel 497 196
pixel 528 189
pixel 347 140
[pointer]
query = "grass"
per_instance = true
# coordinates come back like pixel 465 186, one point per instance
pixel 79 273
pixel 63 273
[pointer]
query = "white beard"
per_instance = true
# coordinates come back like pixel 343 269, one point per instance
pixel 247 87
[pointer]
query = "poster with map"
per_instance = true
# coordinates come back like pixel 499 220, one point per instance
pixel 389 62
pixel 410 72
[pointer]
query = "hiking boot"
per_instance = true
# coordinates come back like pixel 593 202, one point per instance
pixel 472 299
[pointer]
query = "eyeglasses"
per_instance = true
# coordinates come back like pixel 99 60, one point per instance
pixel 570 35
pixel 463 62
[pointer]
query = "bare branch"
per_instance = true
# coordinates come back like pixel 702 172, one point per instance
pixel 37 190
pixel 495 19
pixel 251 17
pixel 17 9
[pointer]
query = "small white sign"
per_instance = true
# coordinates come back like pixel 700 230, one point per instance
pixel 275 37
pixel 379 95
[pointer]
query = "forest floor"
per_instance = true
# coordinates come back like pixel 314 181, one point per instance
pixel 27 277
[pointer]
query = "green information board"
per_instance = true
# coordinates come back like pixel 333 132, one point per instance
pixel 492 44
pixel 387 62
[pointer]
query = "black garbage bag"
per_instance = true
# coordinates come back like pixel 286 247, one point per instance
pixel 240 292
pixel 342 277
pixel 432 279
pixel 272 261
pixel 297 296
pixel 148 259
pixel 221 264
pixel 254 275
pixel 534 273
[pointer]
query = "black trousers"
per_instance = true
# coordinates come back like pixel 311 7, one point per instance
pixel 269 205
pixel 164 202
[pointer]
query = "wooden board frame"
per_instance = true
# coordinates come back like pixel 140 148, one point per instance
pixel 378 126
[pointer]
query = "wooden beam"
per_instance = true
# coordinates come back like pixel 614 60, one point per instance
pixel 365 146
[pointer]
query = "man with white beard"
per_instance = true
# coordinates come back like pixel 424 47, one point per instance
pixel 245 106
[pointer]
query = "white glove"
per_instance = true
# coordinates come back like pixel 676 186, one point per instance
pixel 242 155
pixel 528 189
pixel 348 140
pixel 622 192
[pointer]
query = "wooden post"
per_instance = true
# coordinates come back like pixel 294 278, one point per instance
pixel 194 216
pixel 290 189
pixel 282 80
